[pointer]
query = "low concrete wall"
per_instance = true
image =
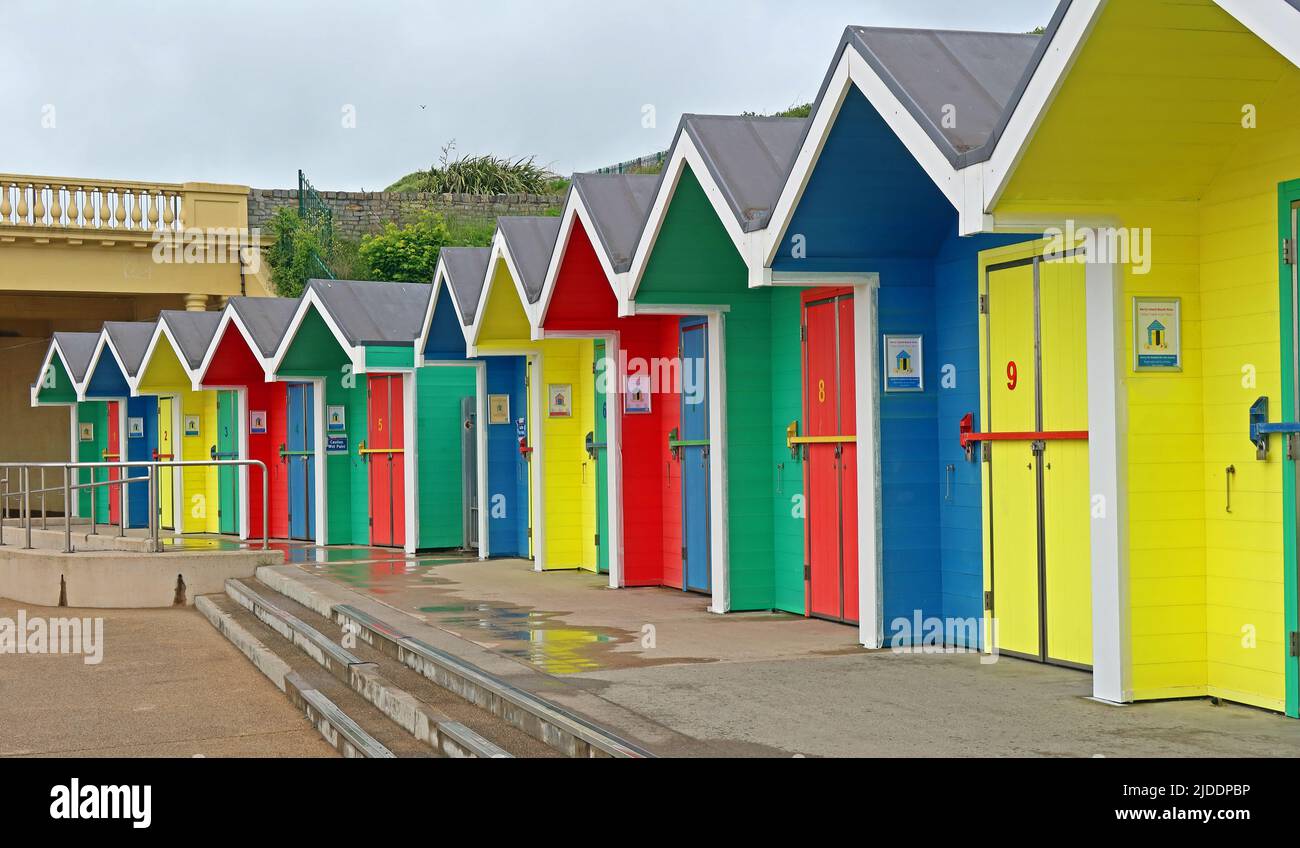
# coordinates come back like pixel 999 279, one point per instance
pixel 121 580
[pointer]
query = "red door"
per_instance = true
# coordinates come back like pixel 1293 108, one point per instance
pixel 114 454
pixel 830 465
pixel 387 462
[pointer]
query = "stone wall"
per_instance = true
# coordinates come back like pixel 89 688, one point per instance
pixel 359 212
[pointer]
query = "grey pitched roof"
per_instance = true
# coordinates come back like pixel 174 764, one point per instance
pixel 466 269
pixel 77 349
pixel 531 240
pixel 193 332
pixel 619 204
pixel 748 157
pixel 372 313
pixel 131 341
pixel 982 75
pixel 266 318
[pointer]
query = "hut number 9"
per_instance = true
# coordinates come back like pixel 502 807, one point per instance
pixel 1013 375
pixel 821 391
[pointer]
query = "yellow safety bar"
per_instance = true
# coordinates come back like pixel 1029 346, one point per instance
pixel 793 440
pixel 365 451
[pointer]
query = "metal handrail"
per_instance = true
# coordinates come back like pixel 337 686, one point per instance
pixel 25 492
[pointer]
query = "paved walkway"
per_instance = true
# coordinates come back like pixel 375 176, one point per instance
pixel 169 685
pixel 782 685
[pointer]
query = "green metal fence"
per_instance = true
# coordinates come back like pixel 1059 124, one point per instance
pixel 316 213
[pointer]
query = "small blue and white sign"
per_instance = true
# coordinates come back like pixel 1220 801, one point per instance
pixel 135 428
pixel 1157 334
pixel 336 444
pixel 904 363
pixel 521 428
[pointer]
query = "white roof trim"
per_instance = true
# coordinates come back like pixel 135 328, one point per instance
pixel 162 329
pixel 440 279
pixel 54 348
pixel 1277 23
pixel 105 341
pixel 500 252
pixel 684 153
pixel 574 210
pixel 229 316
pixel 356 355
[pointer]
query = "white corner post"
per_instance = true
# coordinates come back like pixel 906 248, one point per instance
pixel 410 462
pixel 867 412
pixel 481 458
pixel 719 502
pixel 1107 465
pixel 614 456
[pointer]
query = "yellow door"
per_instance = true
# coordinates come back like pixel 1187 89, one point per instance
pixel 1037 516
pixel 1012 491
pixel 166 509
pixel 1066 502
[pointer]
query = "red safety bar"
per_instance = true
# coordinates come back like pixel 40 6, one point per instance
pixel 969 437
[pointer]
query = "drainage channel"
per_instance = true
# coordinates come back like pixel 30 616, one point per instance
pixel 355 686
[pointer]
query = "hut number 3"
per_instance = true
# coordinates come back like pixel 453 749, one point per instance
pixel 1013 375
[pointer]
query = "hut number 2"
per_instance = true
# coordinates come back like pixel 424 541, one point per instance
pixel 1013 375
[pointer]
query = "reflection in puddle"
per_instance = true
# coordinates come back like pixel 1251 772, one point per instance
pixel 538 638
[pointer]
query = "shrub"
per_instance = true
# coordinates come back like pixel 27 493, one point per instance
pixel 295 253
pixel 405 254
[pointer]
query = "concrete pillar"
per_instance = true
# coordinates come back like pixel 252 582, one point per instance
pixel 196 303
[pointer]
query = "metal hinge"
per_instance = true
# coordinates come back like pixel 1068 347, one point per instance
pixel 803 332
pixel 988 600
pixel 807 572
pixel 1295 643
pixel 598 540
pixel 683 553
pixel 984 304
pixel 530 532
pixel 986 452
pixel 1288 251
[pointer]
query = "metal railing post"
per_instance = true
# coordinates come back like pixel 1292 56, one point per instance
pixel 27 507
pixel 153 507
pixel 45 525
pixel 266 533
pixel 67 510
pixel 121 500
pixel 93 505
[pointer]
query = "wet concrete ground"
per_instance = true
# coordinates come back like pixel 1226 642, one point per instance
pixel 169 685
pixel 767 684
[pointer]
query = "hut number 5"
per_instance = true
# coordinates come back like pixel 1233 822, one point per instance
pixel 1013 375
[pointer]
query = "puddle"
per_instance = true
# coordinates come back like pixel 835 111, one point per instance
pixel 533 636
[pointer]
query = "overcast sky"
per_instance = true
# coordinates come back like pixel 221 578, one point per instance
pixel 248 92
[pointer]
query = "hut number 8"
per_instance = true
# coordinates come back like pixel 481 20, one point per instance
pixel 1013 375
pixel 821 391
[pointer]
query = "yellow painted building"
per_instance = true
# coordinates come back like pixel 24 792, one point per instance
pixel 76 252
pixel 1175 131
pixel 561 394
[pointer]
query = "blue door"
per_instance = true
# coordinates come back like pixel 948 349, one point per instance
pixel 141 442
pixel 300 453
pixel 694 453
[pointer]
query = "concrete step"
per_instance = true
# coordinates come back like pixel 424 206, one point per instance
pixel 346 720
pixel 558 728
pixel 429 713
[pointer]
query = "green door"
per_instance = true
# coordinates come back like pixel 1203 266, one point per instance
pixel 228 448
pixel 601 456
